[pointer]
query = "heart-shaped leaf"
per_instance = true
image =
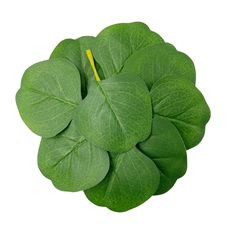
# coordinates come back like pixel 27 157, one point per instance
pixel 183 104
pixel 116 114
pixel 132 179
pixel 116 43
pixel 166 148
pixel 159 61
pixel 49 95
pixel 71 162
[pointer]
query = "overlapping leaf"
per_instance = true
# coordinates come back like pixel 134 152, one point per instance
pixel 159 61
pixel 49 95
pixel 166 148
pixel 183 104
pixel 132 179
pixel 71 162
pixel 74 51
pixel 116 43
pixel 116 114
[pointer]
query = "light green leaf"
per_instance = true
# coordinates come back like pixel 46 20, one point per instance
pixel 116 43
pixel 183 104
pixel 71 162
pixel 166 148
pixel 74 51
pixel 49 95
pixel 132 179
pixel 155 62
pixel 116 114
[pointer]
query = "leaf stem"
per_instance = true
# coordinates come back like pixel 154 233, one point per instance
pixel 91 61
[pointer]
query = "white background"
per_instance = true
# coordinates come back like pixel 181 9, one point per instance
pixel 202 202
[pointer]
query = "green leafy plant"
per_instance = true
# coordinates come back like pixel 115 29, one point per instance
pixel 116 113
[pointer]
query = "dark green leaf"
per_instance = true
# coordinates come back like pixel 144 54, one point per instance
pixel 49 95
pixel 155 62
pixel 71 162
pixel 166 148
pixel 183 104
pixel 132 179
pixel 116 114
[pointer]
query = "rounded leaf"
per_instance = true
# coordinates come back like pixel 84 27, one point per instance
pixel 159 61
pixel 166 148
pixel 132 179
pixel 116 43
pixel 116 114
pixel 183 104
pixel 74 51
pixel 71 162
pixel 49 95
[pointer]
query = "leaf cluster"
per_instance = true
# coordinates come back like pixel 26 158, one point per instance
pixel 116 112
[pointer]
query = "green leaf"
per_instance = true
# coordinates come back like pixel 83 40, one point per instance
pixel 183 104
pixel 132 179
pixel 116 43
pixel 166 148
pixel 116 114
pixel 49 95
pixel 74 51
pixel 159 61
pixel 71 162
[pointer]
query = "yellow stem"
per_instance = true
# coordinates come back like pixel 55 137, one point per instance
pixel 91 61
